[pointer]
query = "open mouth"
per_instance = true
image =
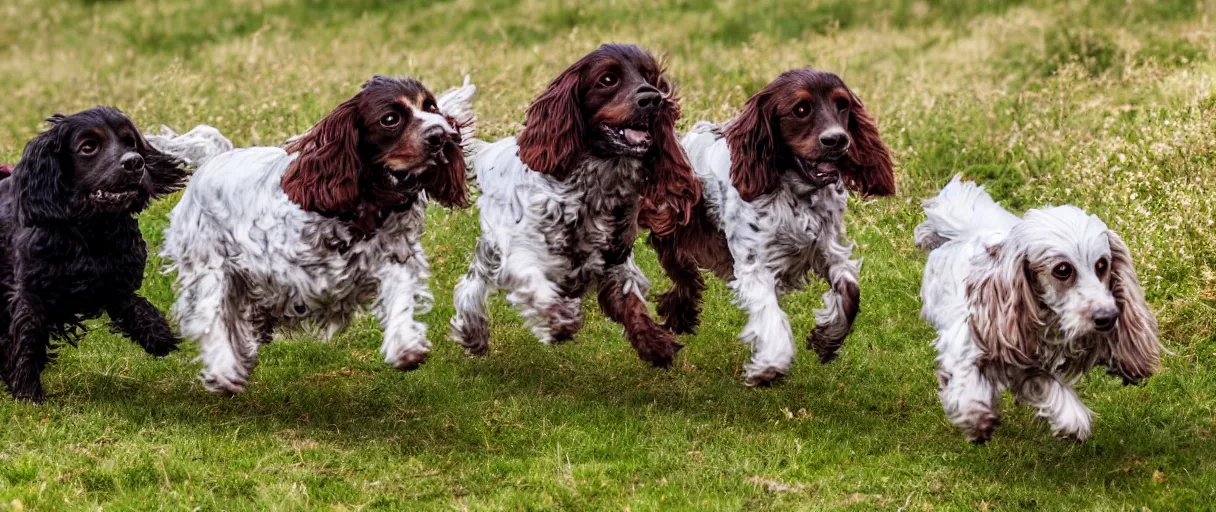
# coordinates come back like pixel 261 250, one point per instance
pixel 105 198
pixel 819 174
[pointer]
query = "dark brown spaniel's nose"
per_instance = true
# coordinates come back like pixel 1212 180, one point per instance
pixel 132 162
pixel 1104 320
pixel 647 97
pixel 834 139
pixel 435 139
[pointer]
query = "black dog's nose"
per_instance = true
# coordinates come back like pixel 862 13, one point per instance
pixel 834 139
pixel 648 97
pixel 132 162
pixel 1104 320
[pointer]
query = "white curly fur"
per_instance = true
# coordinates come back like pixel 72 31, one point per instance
pixel 1008 316
pixel 247 259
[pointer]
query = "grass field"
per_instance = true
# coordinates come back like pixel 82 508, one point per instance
pixel 1110 105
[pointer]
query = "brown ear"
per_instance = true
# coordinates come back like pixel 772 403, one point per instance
pixel 871 171
pixel 447 182
pixel 753 149
pixel 1135 352
pixel 324 178
pixel 553 130
pixel 1004 310
pixel 668 199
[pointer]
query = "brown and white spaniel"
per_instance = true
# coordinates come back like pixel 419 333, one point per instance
pixel 776 181
pixel 562 203
pixel 266 237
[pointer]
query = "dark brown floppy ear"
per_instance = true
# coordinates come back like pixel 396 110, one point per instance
pixel 324 178
pixel 1005 321
pixel 669 197
pixel 1135 351
pixel 871 172
pixel 447 182
pixel 553 130
pixel 753 149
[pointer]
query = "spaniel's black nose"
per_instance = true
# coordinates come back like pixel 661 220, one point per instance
pixel 435 139
pixel 132 162
pixel 835 139
pixel 647 97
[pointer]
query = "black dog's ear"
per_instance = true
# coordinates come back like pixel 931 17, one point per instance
pixel 168 174
pixel 54 119
pixel 43 188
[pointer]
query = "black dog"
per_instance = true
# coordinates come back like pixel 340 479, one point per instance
pixel 70 247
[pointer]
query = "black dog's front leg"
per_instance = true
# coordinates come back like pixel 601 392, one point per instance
pixel 136 318
pixel 28 353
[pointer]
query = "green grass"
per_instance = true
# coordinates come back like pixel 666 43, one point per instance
pixel 1110 105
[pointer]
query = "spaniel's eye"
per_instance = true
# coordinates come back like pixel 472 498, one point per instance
pixel 390 120
pixel 802 109
pixel 128 140
pixel 1101 267
pixel 1062 271
pixel 608 80
pixel 88 148
pixel 430 106
pixel 842 104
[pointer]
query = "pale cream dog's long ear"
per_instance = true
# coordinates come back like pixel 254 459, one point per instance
pixel 1135 350
pixel 1005 320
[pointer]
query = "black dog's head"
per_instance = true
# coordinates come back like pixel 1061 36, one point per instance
pixel 90 164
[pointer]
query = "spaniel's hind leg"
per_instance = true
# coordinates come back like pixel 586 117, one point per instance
pixel 28 351
pixel 137 319
pixel 768 328
pixel 679 307
pixel 211 308
pixel 622 297
pixel 471 323
pixel 842 300
pixel 1059 404
pixel 968 397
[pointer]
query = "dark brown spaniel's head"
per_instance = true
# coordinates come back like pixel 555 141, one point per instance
pixel 377 150
pixel 810 123
pixel 615 102
pixel 89 164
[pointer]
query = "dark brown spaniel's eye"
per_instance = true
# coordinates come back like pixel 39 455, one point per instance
pixel 608 80
pixel 842 104
pixel 1101 267
pixel 390 120
pixel 430 106
pixel 802 108
pixel 1062 271
pixel 88 147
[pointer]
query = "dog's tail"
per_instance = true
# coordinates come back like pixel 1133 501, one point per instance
pixel 194 147
pixel 960 209
pixel 457 103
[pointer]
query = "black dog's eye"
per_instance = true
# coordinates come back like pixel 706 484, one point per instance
pixel 802 109
pixel 608 80
pixel 1101 267
pixel 842 104
pixel 390 120
pixel 1062 271
pixel 88 148
pixel 128 140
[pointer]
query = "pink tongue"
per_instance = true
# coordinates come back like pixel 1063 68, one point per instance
pixel 635 137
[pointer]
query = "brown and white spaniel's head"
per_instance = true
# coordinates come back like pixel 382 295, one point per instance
pixel 615 102
pixel 375 151
pixel 810 123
